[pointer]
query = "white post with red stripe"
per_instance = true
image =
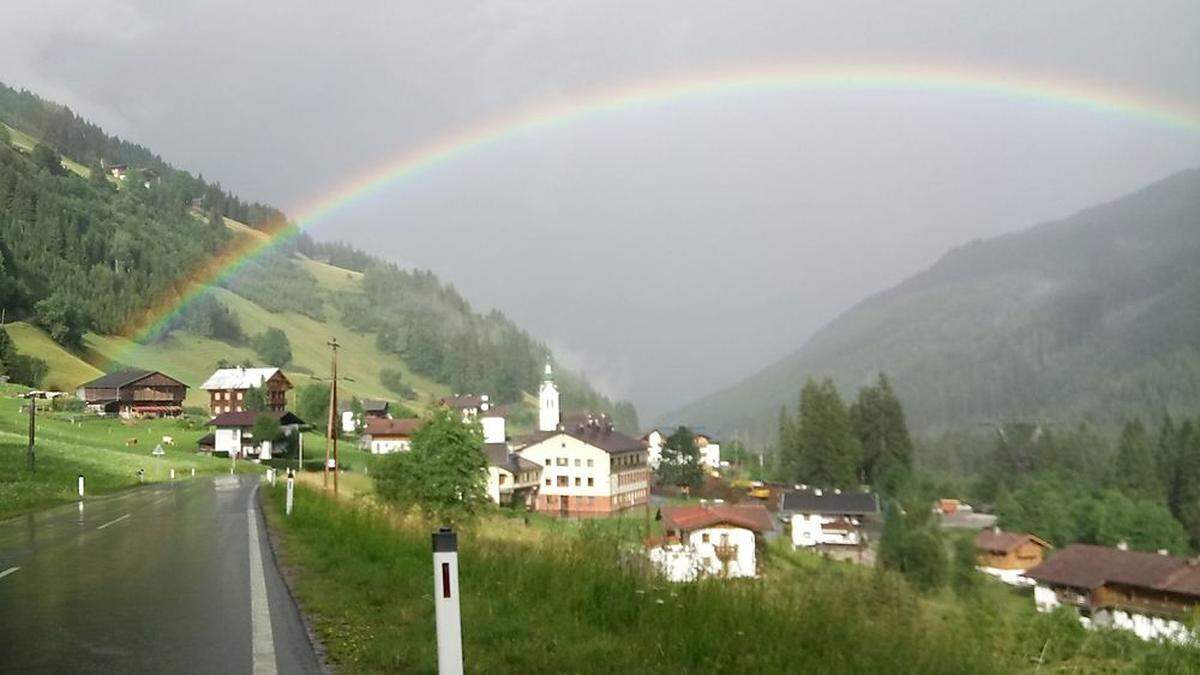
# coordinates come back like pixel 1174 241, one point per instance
pixel 291 487
pixel 445 602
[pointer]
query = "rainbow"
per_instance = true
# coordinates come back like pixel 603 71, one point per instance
pixel 651 93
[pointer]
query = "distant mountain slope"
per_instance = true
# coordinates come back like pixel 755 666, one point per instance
pixel 1097 315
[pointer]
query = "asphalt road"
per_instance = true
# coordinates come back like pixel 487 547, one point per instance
pixel 170 578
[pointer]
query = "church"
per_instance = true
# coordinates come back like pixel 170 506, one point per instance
pixel 588 467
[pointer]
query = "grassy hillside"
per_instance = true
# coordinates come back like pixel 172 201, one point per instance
pixel 1097 315
pixel 191 358
pixel 70 444
pixel 66 370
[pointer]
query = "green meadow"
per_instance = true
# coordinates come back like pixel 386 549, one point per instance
pixel 101 449
pixel 576 598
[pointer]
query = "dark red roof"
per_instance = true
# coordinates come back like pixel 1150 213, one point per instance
pixel 1087 567
pixel 246 418
pixel 999 541
pixel 687 518
pixel 378 426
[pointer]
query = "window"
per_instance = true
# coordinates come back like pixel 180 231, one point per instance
pixel 547 482
pixel 562 461
pixel 591 462
pixel 502 477
pixel 591 482
pixel 704 537
pixel 577 462
pixel 239 395
pixel 562 482
pixel 577 481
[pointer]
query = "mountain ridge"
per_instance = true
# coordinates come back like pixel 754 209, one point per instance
pixel 1111 282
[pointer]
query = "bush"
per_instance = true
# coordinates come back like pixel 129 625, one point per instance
pixel 394 381
pixel 273 347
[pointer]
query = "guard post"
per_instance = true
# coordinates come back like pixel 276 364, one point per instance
pixel 79 484
pixel 291 492
pixel 445 602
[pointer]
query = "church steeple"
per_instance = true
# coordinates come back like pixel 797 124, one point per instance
pixel 548 412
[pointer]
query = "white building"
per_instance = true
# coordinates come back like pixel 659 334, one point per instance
pixel 827 517
pixel 654 441
pixel 710 540
pixel 234 433
pixel 710 451
pixel 383 436
pixel 512 479
pixel 1151 595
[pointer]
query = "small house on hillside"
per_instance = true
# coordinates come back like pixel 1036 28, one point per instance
pixel 117 171
pixel 234 435
pixel 827 517
pixel 227 388
pixel 1152 595
pixel 384 436
pixel 470 405
pixel 710 540
pixel 1006 555
pixel 134 393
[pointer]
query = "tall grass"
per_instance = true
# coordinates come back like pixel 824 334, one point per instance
pixel 540 601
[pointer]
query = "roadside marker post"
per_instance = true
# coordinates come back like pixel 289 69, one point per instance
pixel 172 474
pixel 193 472
pixel 79 484
pixel 291 492
pixel 445 602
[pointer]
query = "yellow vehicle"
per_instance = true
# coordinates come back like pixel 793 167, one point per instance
pixel 759 492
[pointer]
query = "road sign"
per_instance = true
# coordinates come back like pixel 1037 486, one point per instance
pixel 158 451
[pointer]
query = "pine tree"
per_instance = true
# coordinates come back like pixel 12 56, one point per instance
pixel 882 431
pixel 829 451
pixel 1136 465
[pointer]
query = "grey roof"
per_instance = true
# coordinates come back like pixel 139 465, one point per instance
pixel 118 379
pixel 498 455
pixel 607 440
pixel 829 501
pixel 374 405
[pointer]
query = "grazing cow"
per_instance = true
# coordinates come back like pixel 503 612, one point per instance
pixel 130 441
pixel 168 440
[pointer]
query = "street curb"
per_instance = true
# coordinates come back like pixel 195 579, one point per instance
pixel 286 575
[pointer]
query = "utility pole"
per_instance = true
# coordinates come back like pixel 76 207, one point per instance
pixel 32 430
pixel 331 432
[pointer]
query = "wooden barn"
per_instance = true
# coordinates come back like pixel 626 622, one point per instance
pixel 134 393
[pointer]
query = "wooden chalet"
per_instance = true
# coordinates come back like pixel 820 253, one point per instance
pixel 227 388
pixel 134 393
pixel 995 548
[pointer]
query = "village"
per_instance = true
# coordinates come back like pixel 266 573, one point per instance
pixel 575 465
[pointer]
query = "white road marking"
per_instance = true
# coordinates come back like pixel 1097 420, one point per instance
pixel 114 521
pixel 8 571
pixel 263 641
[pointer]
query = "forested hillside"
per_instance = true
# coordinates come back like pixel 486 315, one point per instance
pixel 82 253
pixel 1095 316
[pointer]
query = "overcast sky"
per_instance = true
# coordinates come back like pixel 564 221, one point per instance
pixel 667 250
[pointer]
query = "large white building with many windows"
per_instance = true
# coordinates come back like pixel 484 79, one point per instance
pixel 588 468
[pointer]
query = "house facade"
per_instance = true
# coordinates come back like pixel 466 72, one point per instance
pixel 1149 594
pixel 1006 555
pixel 227 388
pixel 710 540
pixel 385 436
pixel 827 518
pixel 710 451
pixel 512 479
pixel 234 434
pixel 654 440
pixel 134 393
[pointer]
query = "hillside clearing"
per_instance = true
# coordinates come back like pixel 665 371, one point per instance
pixel 66 370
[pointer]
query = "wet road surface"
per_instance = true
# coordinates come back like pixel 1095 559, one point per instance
pixel 169 578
